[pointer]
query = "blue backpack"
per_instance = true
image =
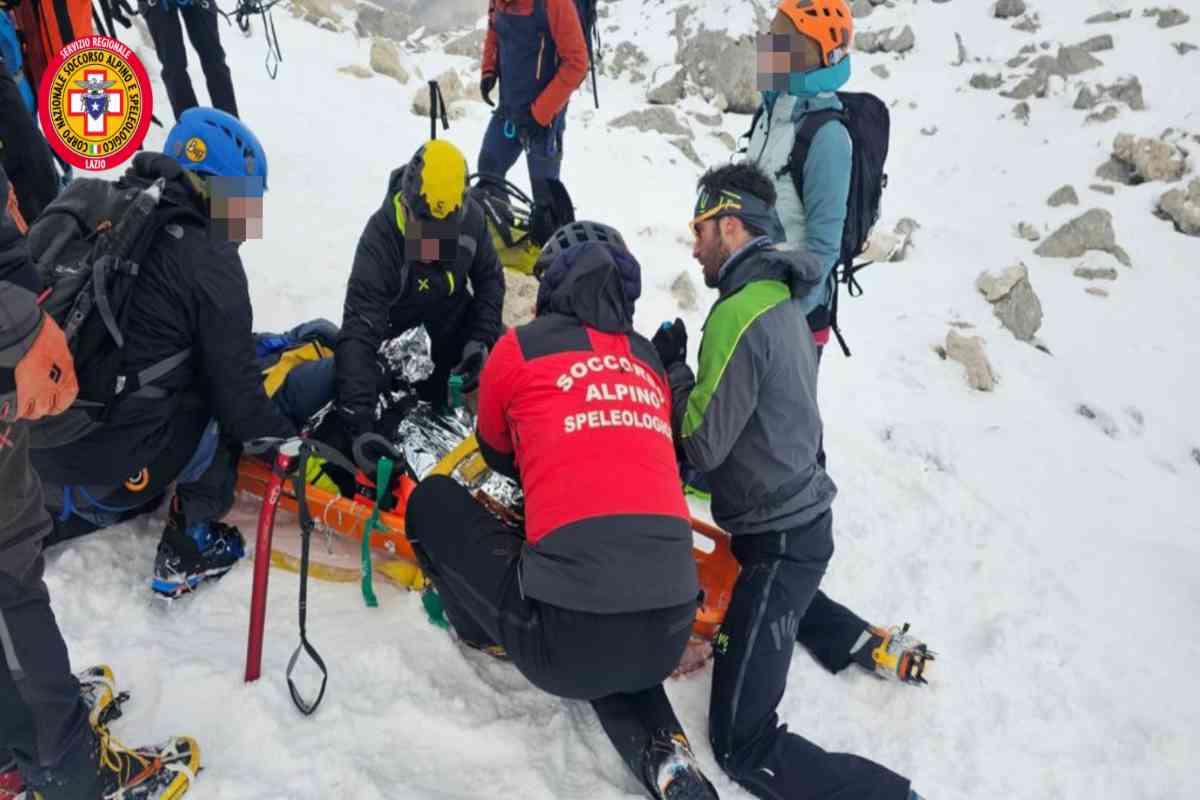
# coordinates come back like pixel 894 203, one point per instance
pixel 10 48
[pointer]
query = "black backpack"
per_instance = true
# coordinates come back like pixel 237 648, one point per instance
pixel 88 246
pixel 867 119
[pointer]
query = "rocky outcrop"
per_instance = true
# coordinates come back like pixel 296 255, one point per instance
pixel 1013 300
pixel 1150 159
pixel 385 60
pixel 658 119
pixel 1092 230
pixel 968 351
pixel 1064 196
pixel 1183 208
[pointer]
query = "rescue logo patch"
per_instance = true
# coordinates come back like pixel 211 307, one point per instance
pixel 96 103
pixel 195 150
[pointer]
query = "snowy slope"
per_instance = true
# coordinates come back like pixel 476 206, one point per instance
pixel 1053 565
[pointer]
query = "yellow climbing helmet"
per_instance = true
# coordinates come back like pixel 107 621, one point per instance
pixel 434 184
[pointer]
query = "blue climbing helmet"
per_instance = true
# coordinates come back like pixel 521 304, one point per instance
pixel 213 142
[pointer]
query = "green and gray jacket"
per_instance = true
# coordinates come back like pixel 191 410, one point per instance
pixel 750 418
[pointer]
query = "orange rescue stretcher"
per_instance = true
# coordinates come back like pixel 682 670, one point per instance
pixel 346 517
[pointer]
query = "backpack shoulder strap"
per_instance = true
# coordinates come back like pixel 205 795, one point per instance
pixel 758 112
pixel 806 131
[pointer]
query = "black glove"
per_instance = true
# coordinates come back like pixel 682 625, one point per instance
pixel 671 342
pixel 528 128
pixel 485 88
pixel 473 357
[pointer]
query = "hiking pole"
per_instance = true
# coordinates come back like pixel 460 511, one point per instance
pixel 436 101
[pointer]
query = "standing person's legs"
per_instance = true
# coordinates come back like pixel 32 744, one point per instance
pixel 167 34
pixel 202 30
pixel 753 653
pixel 32 648
pixel 498 152
pixel 544 153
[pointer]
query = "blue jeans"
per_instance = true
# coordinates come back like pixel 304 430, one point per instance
pixel 543 156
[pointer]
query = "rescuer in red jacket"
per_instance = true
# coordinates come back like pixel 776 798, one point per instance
pixel 595 599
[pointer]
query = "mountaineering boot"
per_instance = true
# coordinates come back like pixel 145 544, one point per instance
pixel 893 654
pixel 191 554
pixel 98 690
pixel 671 772
pixel 100 766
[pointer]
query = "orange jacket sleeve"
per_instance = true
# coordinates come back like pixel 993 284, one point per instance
pixel 490 53
pixel 567 33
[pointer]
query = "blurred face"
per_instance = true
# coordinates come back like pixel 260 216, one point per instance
pixel 236 208
pixel 428 241
pixel 710 248
pixel 782 51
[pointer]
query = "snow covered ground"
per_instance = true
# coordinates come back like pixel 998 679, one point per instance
pixel 1053 560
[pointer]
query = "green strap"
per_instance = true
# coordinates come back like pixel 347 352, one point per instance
pixel 456 391
pixel 383 477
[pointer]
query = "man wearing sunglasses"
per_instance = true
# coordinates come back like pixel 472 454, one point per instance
pixel 749 419
pixel 425 258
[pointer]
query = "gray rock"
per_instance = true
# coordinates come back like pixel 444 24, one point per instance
pixel 1047 65
pixel 385 59
pixel 1064 196
pixel 520 298
pixel 1172 17
pixel 1109 16
pixel 1028 232
pixel 670 91
pixel 907 226
pixel 1129 92
pixel 1035 85
pixel 1074 60
pixel 1020 311
pixel 1183 208
pixel 962 51
pixel 1094 274
pixel 981 80
pixel 470 45
pixel 1107 114
pixel 1021 112
pixel 356 71
pixel 725 139
pixel 1016 61
pixel 930 130
pixel 871 41
pixel 1086 99
pixel 1097 291
pixel 968 351
pixel 1102 189
pixel 711 120
pixel 391 24
pixel 997 287
pixel 881 70
pixel 1150 159
pixel 1092 230
pixel 627 57
pixel 902 42
pixel 861 9
pixel 1028 24
pixel 1196 455
pixel 728 66
pixel 658 119
pixel 1117 172
pixel 314 11
pixel 1007 9
pixel 1097 44
pixel 684 145
pixel 1028 50
pixel 1183 48
pixel 683 289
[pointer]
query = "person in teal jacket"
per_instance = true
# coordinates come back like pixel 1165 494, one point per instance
pixel 806 81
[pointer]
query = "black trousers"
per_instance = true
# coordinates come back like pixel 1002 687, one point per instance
pixel 616 661
pixel 200 18
pixel 42 717
pixel 776 602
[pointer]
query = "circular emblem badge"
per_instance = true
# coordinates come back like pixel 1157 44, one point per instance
pixel 138 482
pixel 195 149
pixel 95 103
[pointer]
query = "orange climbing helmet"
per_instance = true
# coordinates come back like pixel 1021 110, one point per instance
pixel 829 23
